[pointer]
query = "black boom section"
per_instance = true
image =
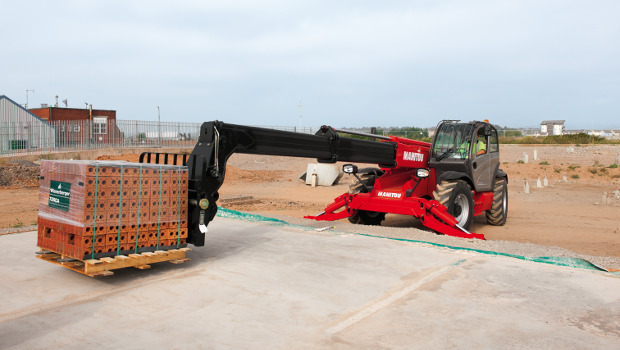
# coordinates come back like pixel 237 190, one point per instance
pixel 218 141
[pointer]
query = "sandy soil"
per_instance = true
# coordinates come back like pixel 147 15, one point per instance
pixel 569 214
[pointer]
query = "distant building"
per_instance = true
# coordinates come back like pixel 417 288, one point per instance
pixel 81 125
pixel 21 129
pixel 552 127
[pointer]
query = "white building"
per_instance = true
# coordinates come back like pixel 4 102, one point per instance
pixel 552 127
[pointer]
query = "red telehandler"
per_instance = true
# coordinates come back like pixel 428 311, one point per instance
pixel 444 183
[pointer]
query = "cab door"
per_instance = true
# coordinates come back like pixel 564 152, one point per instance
pixel 483 165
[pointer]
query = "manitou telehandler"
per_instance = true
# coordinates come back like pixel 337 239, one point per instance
pixel 444 183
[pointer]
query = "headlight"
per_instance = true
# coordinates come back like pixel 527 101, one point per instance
pixel 349 169
pixel 422 173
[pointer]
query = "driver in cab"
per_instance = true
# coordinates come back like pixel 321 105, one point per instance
pixel 481 146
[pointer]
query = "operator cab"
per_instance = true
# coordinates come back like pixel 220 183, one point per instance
pixel 468 151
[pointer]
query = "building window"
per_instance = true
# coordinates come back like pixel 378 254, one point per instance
pixel 76 128
pixel 100 125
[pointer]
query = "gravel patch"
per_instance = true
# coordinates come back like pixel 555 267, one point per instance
pixel 9 230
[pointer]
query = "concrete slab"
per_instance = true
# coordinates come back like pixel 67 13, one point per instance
pixel 260 286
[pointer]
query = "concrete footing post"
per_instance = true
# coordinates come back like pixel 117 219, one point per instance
pixel 545 181
pixel 538 183
pixel 525 160
pixel 535 155
pixel 526 187
pixel 564 178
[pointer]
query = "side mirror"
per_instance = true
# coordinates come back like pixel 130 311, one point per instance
pixel 349 169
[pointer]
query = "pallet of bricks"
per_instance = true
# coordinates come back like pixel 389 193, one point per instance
pixel 96 216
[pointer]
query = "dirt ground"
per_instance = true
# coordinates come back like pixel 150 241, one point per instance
pixel 579 214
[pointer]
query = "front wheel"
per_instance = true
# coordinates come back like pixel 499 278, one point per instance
pixel 498 213
pixel 458 198
pixel 366 217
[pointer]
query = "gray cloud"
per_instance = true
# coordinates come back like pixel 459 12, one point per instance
pixel 351 63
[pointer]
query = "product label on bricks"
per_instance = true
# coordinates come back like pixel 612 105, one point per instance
pixel 60 194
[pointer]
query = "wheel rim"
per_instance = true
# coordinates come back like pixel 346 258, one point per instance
pixel 505 201
pixel 461 209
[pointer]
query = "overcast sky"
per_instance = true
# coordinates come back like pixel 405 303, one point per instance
pixel 350 63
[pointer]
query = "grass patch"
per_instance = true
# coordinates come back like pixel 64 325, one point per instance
pixel 557 170
pixel 613 166
pixel 573 167
pixel 520 161
pixel 575 176
pixel 544 163
pixel 17 225
pixel 592 170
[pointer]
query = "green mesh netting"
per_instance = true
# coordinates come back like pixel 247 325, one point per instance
pixel 559 261
pixel 233 214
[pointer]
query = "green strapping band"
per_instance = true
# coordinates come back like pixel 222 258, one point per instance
pixel 179 209
pixel 120 207
pixel 95 214
pixel 159 209
pixel 139 212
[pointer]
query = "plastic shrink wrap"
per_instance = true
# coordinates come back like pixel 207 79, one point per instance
pixel 94 209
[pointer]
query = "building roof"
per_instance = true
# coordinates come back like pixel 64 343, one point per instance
pixel 69 108
pixel 555 122
pixel 24 109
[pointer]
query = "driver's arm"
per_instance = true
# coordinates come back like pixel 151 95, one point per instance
pixel 481 146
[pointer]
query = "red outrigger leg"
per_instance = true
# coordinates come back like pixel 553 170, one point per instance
pixel 430 212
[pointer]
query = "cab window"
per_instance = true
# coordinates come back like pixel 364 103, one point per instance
pixel 493 141
pixel 480 143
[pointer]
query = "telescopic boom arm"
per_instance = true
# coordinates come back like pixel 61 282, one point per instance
pixel 218 141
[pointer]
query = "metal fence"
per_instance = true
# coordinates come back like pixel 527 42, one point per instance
pixel 61 136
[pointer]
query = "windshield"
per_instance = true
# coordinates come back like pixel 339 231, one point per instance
pixel 452 141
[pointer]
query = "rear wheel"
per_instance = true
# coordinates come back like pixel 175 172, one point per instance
pixel 366 217
pixel 498 213
pixel 458 198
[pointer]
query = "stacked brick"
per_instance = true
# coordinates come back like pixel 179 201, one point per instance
pixel 94 209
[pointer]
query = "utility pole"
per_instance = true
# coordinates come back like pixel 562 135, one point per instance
pixel 299 105
pixel 158 128
pixel 90 124
pixel 27 97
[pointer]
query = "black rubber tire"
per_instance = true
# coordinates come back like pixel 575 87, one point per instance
pixel 364 217
pixel 498 213
pixel 357 187
pixel 458 198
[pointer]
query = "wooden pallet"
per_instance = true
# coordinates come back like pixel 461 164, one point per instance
pixel 103 266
